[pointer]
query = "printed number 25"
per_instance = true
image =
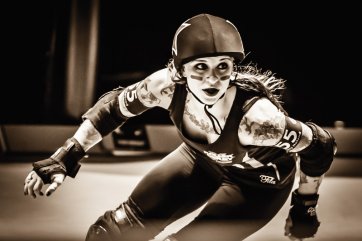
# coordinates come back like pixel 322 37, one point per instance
pixel 290 137
pixel 131 95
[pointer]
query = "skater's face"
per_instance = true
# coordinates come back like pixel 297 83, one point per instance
pixel 209 77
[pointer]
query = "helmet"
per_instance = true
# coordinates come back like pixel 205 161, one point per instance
pixel 206 35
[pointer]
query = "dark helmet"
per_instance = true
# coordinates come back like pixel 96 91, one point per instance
pixel 206 35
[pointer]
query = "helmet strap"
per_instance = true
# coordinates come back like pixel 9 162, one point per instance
pixel 213 119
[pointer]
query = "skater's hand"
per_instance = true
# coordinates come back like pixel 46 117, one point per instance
pixel 299 227
pixel 33 184
pixel 302 221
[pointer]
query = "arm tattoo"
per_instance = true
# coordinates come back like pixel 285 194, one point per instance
pixel 264 131
pixel 146 96
pixel 87 135
pixel 310 183
pixel 168 90
pixel 307 179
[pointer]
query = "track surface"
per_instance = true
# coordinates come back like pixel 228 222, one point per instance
pixel 67 214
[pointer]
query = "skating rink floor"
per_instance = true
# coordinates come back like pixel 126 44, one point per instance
pixel 104 182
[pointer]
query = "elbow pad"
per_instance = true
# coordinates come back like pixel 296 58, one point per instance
pixel 316 159
pixel 105 115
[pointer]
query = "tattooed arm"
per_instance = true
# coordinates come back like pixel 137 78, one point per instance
pixel 114 107
pixel 155 90
pixel 111 111
pixel 265 125
pixel 309 185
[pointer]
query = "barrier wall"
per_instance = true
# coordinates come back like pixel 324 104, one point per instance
pixel 160 139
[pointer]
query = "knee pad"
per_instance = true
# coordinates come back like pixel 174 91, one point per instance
pixel 109 227
pixel 97 232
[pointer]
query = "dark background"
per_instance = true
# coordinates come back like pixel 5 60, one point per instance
pixel 315 47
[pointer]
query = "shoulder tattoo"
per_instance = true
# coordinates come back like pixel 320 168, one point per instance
pixel 262 132
pixel 147 96
pixel 168 90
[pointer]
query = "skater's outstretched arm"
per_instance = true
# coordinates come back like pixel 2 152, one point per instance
pixel 110 112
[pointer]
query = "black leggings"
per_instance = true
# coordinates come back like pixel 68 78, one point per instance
pixel 178 185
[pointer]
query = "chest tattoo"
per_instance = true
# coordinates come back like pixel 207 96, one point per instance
pixel 200 123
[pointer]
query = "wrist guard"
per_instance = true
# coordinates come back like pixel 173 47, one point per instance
pixel 305 201
pixel 302 221
pixel 65 160
pixel 105 115
pixel 316 159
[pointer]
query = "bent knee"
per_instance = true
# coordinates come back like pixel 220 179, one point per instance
pixel 105 228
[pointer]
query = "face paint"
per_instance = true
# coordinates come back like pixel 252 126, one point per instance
pixel 197 77
pixel 226 77
pixel 200 78
pixel 208 77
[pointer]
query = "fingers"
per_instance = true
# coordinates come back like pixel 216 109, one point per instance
pixel 29 182
pixel 57 180
pixel 33 185
pixel 52 187
pixel 38 186
pixel 26 182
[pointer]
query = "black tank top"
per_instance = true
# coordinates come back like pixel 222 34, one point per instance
pixel 268 166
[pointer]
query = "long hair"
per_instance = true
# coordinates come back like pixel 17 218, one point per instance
pixel 248 77
pixel 265 83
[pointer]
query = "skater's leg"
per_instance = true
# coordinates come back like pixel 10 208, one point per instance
pixel 233 214
pixel 172 189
